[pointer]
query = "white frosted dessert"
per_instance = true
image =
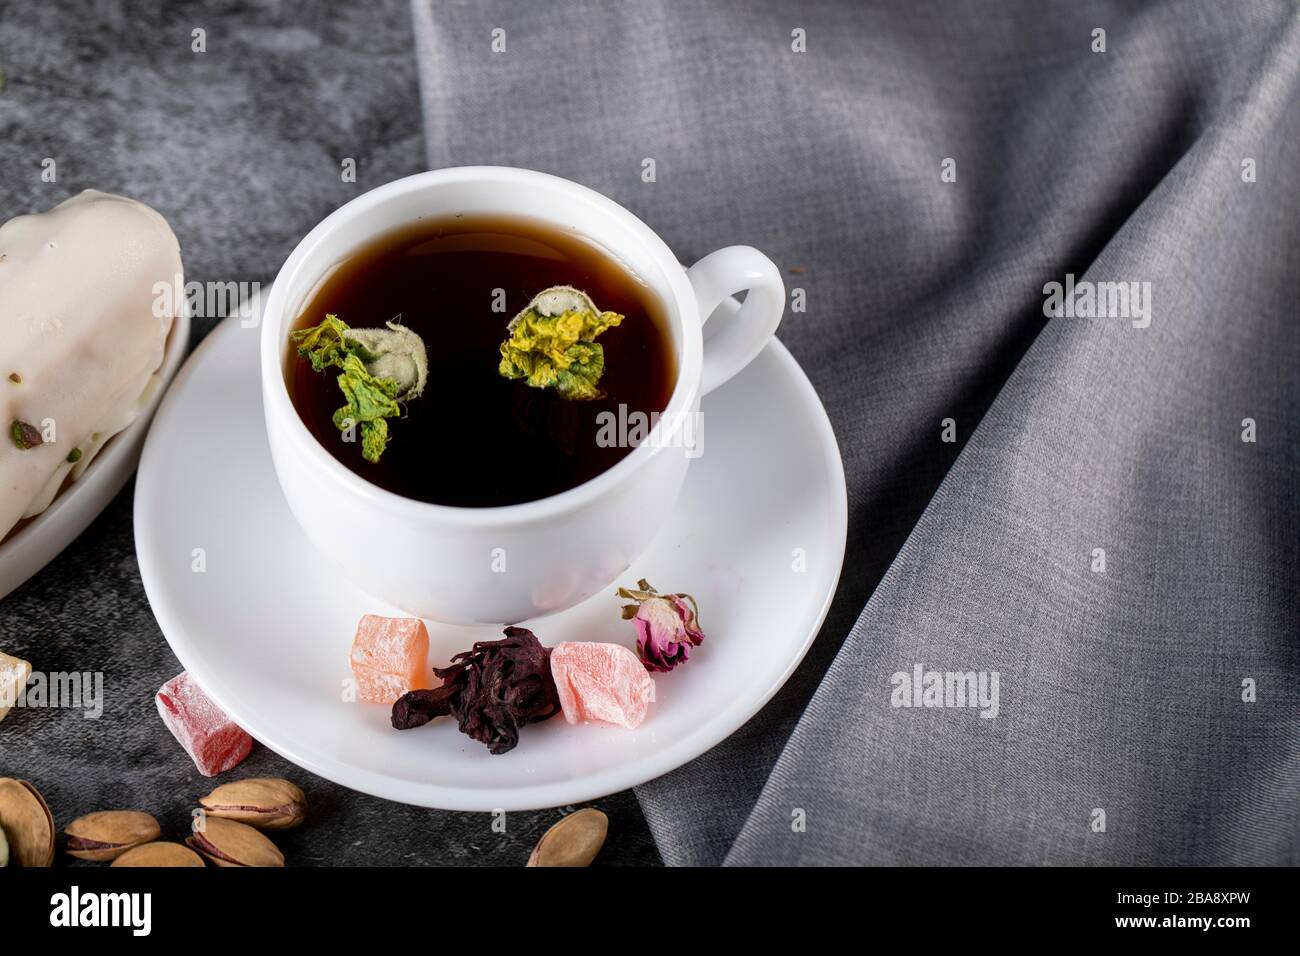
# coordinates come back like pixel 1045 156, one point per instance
pixel 80 343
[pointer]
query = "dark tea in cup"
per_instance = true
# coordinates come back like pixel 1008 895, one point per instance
pixel 473 437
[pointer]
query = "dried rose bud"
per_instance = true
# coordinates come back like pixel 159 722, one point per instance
pixel 667 625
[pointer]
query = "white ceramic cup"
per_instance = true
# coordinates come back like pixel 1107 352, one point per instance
pixel 508 564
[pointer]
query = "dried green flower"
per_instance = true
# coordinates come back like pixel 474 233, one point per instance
pixel 380 368
pixel 552 343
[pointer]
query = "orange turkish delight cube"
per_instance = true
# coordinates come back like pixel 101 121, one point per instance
pixel 390 655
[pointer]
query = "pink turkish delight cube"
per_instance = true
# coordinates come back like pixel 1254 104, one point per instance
pixel 605 683
pixel 214 742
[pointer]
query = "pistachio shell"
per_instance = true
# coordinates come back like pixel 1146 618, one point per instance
pixel 110 833
pixel 159 854
pixel 267 803
pixel 28 825
pixel 574 841
pixel 4 848
pixel 228 843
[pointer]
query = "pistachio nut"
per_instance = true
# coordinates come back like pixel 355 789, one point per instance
pixel 574 841
pixel 229 843
pixel 110 833
pixel 267 803
pixel 26 821
pixel 159 854
pixel 4 848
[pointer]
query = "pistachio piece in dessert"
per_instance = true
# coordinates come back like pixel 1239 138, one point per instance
pixel 552 343
pixel 159 854
pixel 230 843
pixel 574 841
pixel 25 435
pixel 27 823
pixel 267 803
pixel 110 833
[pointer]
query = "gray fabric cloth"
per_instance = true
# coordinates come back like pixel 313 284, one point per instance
pixel 240 148
pixel 1120 691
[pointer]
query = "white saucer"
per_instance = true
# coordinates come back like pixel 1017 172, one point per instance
pixel 38 542
pixel 266 628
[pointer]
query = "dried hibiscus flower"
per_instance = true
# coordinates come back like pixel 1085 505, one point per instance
pixel 492 690
pixel 667 625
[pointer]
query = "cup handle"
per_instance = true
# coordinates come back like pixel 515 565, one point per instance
pixel 745 330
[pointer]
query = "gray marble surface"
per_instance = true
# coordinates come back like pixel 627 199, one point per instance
pixel 240 148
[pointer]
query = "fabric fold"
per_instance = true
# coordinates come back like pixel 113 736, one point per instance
pixel 1101 544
